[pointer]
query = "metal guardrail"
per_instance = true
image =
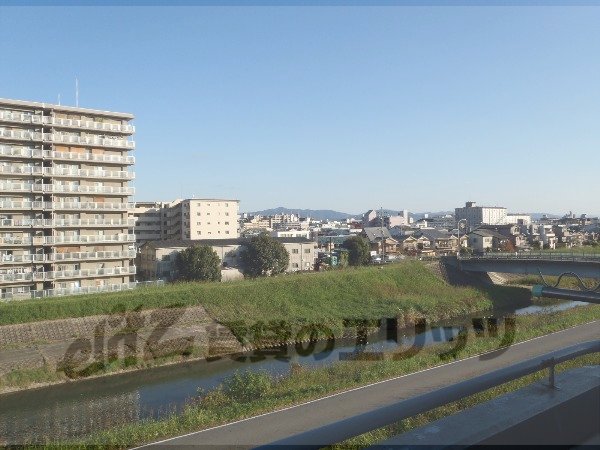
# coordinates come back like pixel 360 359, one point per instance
pixel 363 423
pixel 537 256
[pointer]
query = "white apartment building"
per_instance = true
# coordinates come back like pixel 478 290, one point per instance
pixel 480 215
pixel 517 219
pixel 291 233
pixel 64 200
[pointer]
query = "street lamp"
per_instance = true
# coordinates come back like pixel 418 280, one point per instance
pixel 458 228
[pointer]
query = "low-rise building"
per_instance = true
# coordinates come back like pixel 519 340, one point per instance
pixel 157 258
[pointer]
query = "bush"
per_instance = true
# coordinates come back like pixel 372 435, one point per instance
pixel 247 386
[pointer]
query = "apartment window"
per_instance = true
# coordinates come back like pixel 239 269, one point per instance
pixel 208 214
pixel 295 251
pixel 307 250
pixel 227 232
pixel 197 232
pixel 226 213
pixel 198 214
pixel 226 223
pixel 226 204
pixel 295 265
pixel 198 223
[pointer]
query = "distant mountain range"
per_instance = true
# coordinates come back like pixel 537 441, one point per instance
pixel 324 214
pixel 318 214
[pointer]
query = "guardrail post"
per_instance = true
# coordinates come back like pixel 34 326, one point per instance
pixel 551 373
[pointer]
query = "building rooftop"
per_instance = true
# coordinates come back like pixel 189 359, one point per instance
pixel 167 243
pixel 74 109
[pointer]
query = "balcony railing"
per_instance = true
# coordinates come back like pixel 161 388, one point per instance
pixel 91 206
pixel 89 125
pixel 61 274
pixel 53 240
pixel 88 173
pixel 116 159
pixel 21 170
pixel 26 152
pixel 25 258
pixel 64 223
pixel 69 256
pixel 84 273
pixel 27 135
pixel 79 290
pixel 25 205
pixel 36 119
pixel 66 188
pixel 86 239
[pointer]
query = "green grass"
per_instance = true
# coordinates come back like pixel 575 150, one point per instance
pixel 567 282
pixel 585 249
pixel 305 384
pixel 370 292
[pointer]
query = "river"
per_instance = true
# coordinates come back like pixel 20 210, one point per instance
pixel 79 408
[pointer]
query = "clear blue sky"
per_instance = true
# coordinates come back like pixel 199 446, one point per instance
pixel 346 108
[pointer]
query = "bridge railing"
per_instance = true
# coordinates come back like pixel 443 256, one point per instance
pixel 363 423
pixel 538 256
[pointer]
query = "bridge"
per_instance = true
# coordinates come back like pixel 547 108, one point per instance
pixel 579 265
pixel 530 263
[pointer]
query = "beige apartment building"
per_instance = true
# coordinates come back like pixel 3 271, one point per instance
pixel 192 218
pixel 64 200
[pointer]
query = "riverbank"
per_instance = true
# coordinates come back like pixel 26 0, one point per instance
pixel 195 318
pixel 302 384
pixel 353 292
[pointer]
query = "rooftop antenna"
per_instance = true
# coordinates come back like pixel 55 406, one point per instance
pixel 76 92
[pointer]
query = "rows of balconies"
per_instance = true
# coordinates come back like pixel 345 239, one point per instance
pixel 64 257
pixel 66 188
pixel 15 117
pixel 64 223
pixel 26 152
pixel 54 240
pixel 62 274
pixel 65 206
pixel 27 135
pixel 15 169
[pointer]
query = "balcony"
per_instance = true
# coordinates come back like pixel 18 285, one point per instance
pixel 85 239
pixel 64 257
pixel 64 274
pixel 84 273
pixel 65 223
pixel 91 206
pixel 19 259
pixel 88 173
pixel 18 117
pixel 20 152
pixel 95 141
pixel 16 241
pixel 89 125
pixel 21 170
pixel 9 296
pixel 26 205
pixel 86 256
pixel 13 151
pixel 114 159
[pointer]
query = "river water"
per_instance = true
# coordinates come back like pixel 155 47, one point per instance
pixel 81 407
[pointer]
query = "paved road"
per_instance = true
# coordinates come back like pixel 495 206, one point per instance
pixel 289 421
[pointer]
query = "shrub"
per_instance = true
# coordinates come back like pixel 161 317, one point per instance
pixel 247 386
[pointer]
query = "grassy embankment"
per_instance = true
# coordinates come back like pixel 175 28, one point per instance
pixel 408 290
pixel 242 398
pixel 369 292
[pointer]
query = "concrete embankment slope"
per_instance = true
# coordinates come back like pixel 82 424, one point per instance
pixel 77 343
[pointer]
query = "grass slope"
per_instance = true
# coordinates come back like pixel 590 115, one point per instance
pixel 369 292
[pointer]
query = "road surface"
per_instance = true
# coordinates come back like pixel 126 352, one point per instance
pixel 285 422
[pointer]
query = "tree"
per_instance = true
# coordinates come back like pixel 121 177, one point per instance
pixel 359 251
pixel 263 256
pixel 198 263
